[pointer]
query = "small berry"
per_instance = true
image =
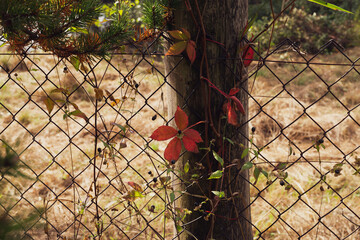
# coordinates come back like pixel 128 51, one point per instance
pixel 154 117
pixel 282 183
pixel 196 204
pixel 99 150
pixel 136 85
pixel 253 129
pixel 155 179
pixel 179 132
pixel 149 172
pixel 173 161
pixel 321 141
pixel 337 171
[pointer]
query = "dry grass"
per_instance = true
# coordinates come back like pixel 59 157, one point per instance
pixel 301 123
pixel 56 150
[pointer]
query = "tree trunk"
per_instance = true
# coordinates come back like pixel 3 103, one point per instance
pixel 224 21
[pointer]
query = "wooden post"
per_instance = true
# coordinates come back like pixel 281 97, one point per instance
pixel 224 21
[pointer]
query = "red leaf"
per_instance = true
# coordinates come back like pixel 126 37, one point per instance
pixel 181 119
pixel 234 91
pixel 173 149
pixel 177 48
pixel 190 144
pixel 248 56
pixel 193 135
pixel 164 133
pixel 179 35
pixel 191 51
pixel 231 114
pixel 135 186
pixel 238 104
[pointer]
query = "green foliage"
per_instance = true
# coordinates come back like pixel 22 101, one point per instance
pixel 310 31
pixel 153 12
pixel 81 28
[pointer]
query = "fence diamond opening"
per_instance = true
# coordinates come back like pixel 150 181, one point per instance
pixel 78 163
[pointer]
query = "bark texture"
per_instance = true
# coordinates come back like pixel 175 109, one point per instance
pixel 224 21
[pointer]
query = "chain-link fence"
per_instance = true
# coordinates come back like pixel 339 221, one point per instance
pixel 78 161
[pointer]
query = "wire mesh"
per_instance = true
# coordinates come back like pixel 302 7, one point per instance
pixel 58 182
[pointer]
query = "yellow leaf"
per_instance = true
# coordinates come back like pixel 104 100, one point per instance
pixel 177 48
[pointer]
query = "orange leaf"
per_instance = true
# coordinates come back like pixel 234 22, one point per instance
pixel 177 48
pixel 190 50
pixel 179 35
pixel 173 149
pixel 181 119
pixel 164 133
pixel 193 135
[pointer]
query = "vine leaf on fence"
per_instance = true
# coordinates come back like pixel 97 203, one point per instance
pixel 177 48
pixel 183 135
pixel 232 105
pixel 191 51
pixel 184 44
pixel 135 186
pixel 80 114
pixel 99 93
pixel 219 194
pixel 248 55
pixel 49 103
pixel 218 158
pixel 216 175
pixel 247 165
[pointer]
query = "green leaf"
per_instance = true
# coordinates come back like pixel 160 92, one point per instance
pixel 172 197
pixel 216 175
pixel 119 126
pixel 80 114
pixel 281 166
pixel 256 174
pixel 248 25
pixel 329 5
pixel 218 158
pixel 187 167
pixel 247 165
pixel 219 194
pixel 265 173
pixel 74 60
pixel 244 153
pixel 229 140
pixel 179 228
pixel 256 153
